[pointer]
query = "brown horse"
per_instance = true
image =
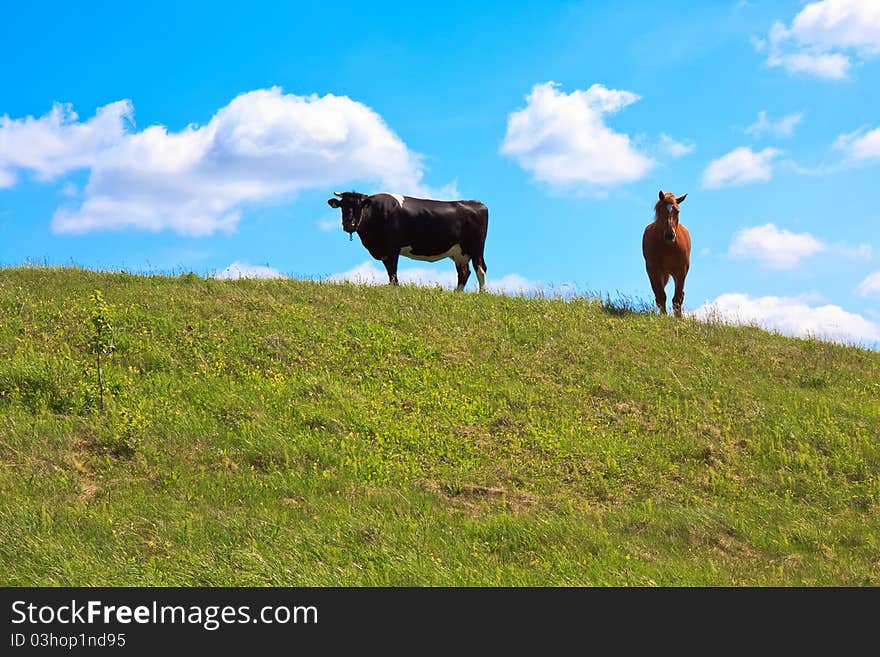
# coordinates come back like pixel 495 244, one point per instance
pixel 666 245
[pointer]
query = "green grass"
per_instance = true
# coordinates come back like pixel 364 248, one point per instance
pixel 299 433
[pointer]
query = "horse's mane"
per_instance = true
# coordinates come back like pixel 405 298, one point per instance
pixel 660 201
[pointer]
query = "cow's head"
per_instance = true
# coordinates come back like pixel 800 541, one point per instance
pixel 354 206
pixel 666 214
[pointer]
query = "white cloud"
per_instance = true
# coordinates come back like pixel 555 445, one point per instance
pixel 813 43
pixel 739 167
pixel 832 24
pixel 783 127
pixel 369 273
pixel 870 287
pixel 242 270
pixel 58 142
pixel 329 222
pixel 264 145
pixel 860 145
pixel 860 252
pixel 826 66
pixel 777 248
pixel 673 148
pixel 774 247
pixel 792 316
pixel 562 139
pixel 448 192
pixel 69 189
pixel 513 284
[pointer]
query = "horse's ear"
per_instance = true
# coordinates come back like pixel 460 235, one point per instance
pixel 681 199
pixel 661 195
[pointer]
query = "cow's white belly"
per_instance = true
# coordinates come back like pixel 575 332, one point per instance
pixel 454 252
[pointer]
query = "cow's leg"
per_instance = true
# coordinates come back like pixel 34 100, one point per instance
pixel 658 284
pixel 480 268
pixel 391 267
pixel 464 273
pixel 678 295
pixel 475 249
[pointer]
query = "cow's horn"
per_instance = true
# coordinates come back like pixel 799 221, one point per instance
pixel 339 194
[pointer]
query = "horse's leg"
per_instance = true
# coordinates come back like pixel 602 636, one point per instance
pixel 658 284
pixel 678 296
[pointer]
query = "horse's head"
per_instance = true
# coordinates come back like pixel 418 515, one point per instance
pixel 353 205
pixel 666 214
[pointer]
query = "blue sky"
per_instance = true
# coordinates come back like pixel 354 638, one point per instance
pixel 223 128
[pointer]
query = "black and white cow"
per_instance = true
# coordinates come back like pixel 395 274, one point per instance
pixel 391 225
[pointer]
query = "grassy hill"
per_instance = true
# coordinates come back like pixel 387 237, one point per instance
pixel 304 433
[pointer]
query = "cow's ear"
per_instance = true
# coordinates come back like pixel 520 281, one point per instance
pixel 333 202
pixel 365 202
pixel 681 199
